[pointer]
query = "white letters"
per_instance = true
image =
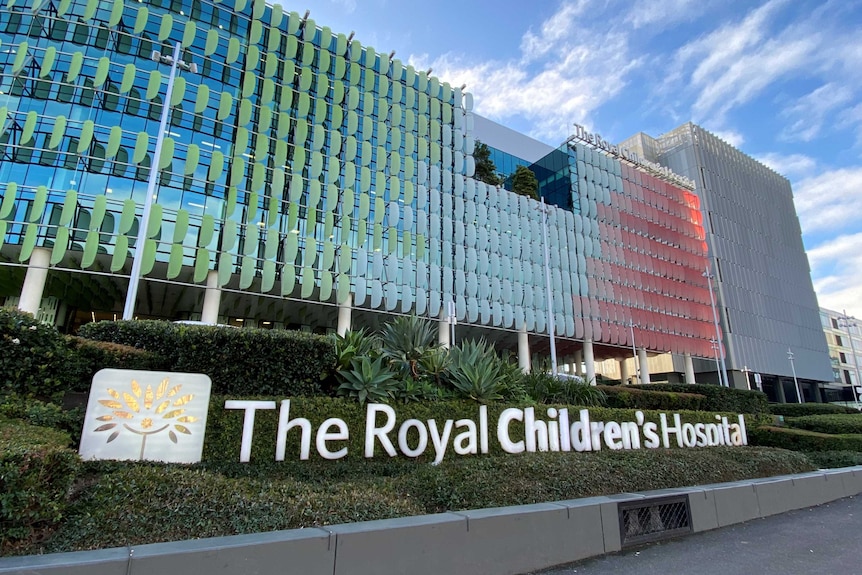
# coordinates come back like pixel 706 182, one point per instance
pixel 324 435
pixel 440 443
pixel 506 442
pixel 285 425
pixel 247 423
pixel 372 431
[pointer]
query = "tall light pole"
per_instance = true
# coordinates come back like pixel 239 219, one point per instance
pixel 453 319
pixel 635 352
pixel 850 322
pixel 548 288
pixel 135 276
pixel 723 372
pixel 716 347
pixel 795 381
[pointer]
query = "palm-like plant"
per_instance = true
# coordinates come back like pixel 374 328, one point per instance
pixel 367 380
pixel 353 344
pixel 404 341
pixel 475 371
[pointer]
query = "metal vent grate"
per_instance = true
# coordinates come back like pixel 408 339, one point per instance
pixel 654 519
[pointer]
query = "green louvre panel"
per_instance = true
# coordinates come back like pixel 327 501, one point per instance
pixel 268 279
pixel 190 30
pixel 267 93
pixel 340 65
pixel 355 72
pixel 423 82
pixel 355 50
pixel 378 237
pixel 252 58
pixel 280 156
pixel 447 92
pixel 423 105
pixel 166 157
pixel 394 187
pixel 367 128
pixel 121 252
pixel 328 225
pixel 396 115
pixel 313 196
pixel 408 192
pixel 379 207
pixel 397 69
pixel 364 179
pixel 237 171
pixel 47 61
pixel 181 227
pixel 225 265
pixel 396 91
pixel 216 166
pixel 74 67
pixel 325 286
pixel 29 127
pixel 291 48
pixel 154 84
pixel 409 75
pixel 307 282
pixel 422 126
pixel 239 5
pixel 447 114
pixel 352 97
pixel 406 244
pixel 333 168
pixel 202 264
pixel 100 206
pixel 338 93
pixel 347 201
pixel 205 235
pixel 62 10
pixel 345 258
pixel 342 291
pixel 101 72
pixel 142 142
pixel 420 246
pixel 61 243
pixel 307 54
pixel 434 87
pixel 409 120
pixel 293 216
pixel 232 50
pixel 91 247
pixel 300 136
pixel 86 137
pixel 255 32
pixel 349 179
pixel 166 27
pixel 252 239
pixel 328 255
pixel 240 141
pixel 175 261
pixel 383 88
pixel 352 123
pixel 271 65
pixel 291 248
pixel 336 142
pixel 288 279
pixel 193 156
pixel 309 252
pixel 275 16
pixel 409 145
pixel 297 164
pixel 202 98
pixel 228 235
pixel 179 92
pixel 38 206
pixel 305 78
pixel 322 89
pixel 141 19
pixel 316 165
pixel 212 42
pixel 114 140
pixel 283 125
pixel 350 149
pixel 70 203
pixel 435 109
pixel 246 272
pixel 251 208
pixel 230 204
pixel 127 218
pixel 365 160
pixel 361 233
pixel 57 133
pixel 90 10
pixel 30 237
pixel 368 104
pixel 155 223
pixel 303 105
pixel 341 45
pixel 128 78
pixel 274 43
pixel 422 149
pixel 435 152
pixel 296 187
pixel 318 137
pixel 325 37
pixel 245 110
pixel 308 30
pixel 271 245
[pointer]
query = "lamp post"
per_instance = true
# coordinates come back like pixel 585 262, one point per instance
pixel 795 381
pixel 135 275
pixel 453 319
pixel 548 288
pixel 722 376
pixel 635 352
pixel 850 322
pixel 716 346
pixel 747 371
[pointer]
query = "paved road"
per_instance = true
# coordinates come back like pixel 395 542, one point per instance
pixel 822 540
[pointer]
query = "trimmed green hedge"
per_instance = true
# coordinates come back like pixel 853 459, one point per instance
pixel 802 409
pixel 33 356
pixel 239 361
pixel 843 423
pixel 89 356
pixel 802 440
pixel 833 459
pixel 718 398
pixel 626 396
pixel 36 471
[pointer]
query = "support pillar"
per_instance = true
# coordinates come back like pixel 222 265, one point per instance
pixel 579 362
pixel 779 388
pixel 689 369
pixel 345 309
pixel 212 299
pixel 443 329
pixel 644 366
pixel 34 281
pixel 524 349
pixel 624 372
pixel 590 362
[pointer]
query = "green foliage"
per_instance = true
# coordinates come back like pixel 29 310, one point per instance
pixel 640 398
pixel 841 423
pixel 87 357
pixel 545 388
pixel 44 414
pixel 368 380
pixel 434 363
pixel 36 471
pixel 833 459
pixel 239 361
pixel 802 440
pixel 485 171
pixel 353 344
pixel 717 398
pixel 33 356
pixel 404 341
pixel 524 182
pixel 475 371
pixel 801 409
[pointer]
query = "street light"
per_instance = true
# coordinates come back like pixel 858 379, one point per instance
pixel 723 371
pixel 795 381
pixel 135 275
pixel 635 353
pixel 716 346
pixel 548 288
pixel 850 322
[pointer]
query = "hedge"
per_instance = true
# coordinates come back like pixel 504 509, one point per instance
pixel 239 361
pixel 718 398
pixel 802 409
pixel 843 423
pixel 802 440
pixel 33 356
pixel 833 459
pixel 36 472
pixel 626 396
pixel 87 357
pixel 44 414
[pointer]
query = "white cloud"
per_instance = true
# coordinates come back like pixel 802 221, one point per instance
pixel 349 6
pixel 836 268
pixel 789 165
pixel 809 112
pixel 829 201
pixel 661 15
pixel 732 137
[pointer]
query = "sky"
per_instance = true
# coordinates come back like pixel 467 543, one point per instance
pixel 781 80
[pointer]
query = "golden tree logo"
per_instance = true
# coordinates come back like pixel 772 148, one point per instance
pixel 139 415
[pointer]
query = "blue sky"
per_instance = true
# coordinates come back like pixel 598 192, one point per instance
pixel 780 79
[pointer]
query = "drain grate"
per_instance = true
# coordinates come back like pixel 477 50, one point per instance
pixel 649 520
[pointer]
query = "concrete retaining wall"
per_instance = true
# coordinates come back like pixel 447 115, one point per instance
pixel 508 540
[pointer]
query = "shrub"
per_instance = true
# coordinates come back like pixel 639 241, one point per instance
pixel 545 388
pixel 367 380
pixel 475 371
pixel 836 424
pixel 832 459
pixel 36 471
pixel 88 357
pixel 718 398
pixel 802 440
pixel 802 409
pixel 403 342
pixel 33 356
pixel 43 414
pixel 239 361
pixel 627 396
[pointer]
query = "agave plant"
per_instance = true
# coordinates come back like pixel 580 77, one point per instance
pixel 434 362
pixel 367 380
pixel 544 387
pixel 404 341
pixel 353 344
pixel 475 371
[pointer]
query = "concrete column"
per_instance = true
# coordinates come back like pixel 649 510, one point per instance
pixel 579 362
pixel 589 360
pixel 524 349
pixel 212 299
pixel 443 329
pixel 34 281
pixel 689 369
pixel 344 315
pixel 624 372
pixel 779 388
pixel 644 366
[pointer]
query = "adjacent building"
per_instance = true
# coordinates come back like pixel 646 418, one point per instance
pixel 844 338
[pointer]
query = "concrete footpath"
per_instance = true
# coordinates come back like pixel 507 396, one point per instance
pixel 822 539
